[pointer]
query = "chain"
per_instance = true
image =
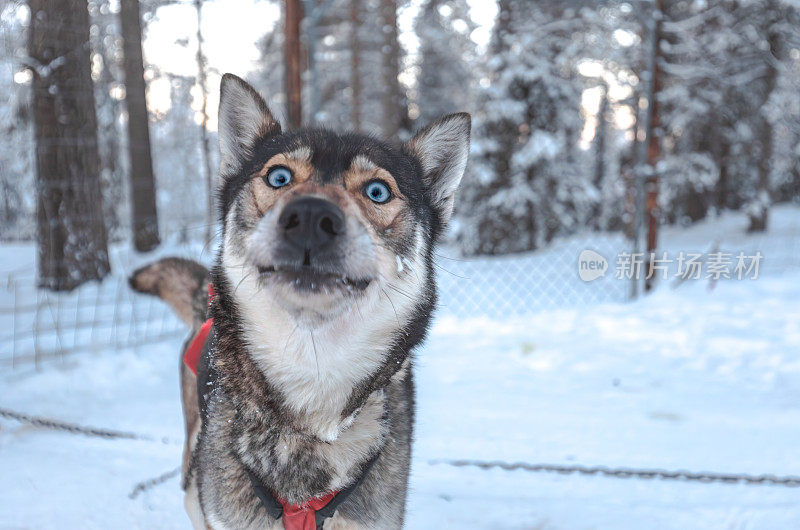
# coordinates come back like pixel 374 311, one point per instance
pixel 147 484
pixel 71 427
pixel 791 481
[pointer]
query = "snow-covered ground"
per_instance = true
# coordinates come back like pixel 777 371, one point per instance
pixel 689 377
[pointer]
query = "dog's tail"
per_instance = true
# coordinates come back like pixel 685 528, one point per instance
pixel 181 283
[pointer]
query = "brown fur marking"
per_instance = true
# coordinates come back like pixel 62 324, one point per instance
pixel 262 197
pixel 361 172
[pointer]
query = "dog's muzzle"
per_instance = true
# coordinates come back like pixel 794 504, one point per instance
pixel 310 253
pixel 312 226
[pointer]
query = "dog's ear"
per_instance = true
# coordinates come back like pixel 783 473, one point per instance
pixel 442 148
pixel 244 119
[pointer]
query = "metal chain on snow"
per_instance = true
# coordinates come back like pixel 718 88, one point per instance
pixel 71 427
pixel 108 434
pixel 791 481
pixel 147 484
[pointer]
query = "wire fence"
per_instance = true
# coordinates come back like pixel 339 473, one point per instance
pixel 519 284
pixel 42 326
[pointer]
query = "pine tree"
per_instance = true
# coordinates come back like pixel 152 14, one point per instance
pixel 17 206
pixel 527 183
pixel 722 68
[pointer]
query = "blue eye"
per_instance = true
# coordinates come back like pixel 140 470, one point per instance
pixel 377 191
pixel 279 177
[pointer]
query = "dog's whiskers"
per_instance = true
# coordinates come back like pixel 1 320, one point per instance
pixel 358 308
pixel 289 339
pixel 400 291
pixel 450 272
pixel 316 358
pixel 246 276
pixel 392 304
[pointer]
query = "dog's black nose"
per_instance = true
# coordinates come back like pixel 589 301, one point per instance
pixel 310 223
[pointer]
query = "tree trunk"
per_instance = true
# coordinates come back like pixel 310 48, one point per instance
pixel 721 153
pixel 600 156
pixel 205 147
pixel 355 65
pixel 314 10
pixel 653 149
pixel 292 54
pixel 72 237
pixel 391 99
pixel 142 181
pixel 759 208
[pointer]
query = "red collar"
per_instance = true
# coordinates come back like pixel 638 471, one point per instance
pixel 309 515
pixel 304 516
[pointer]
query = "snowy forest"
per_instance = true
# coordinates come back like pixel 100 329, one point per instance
pixel 658 394
pixel 582 111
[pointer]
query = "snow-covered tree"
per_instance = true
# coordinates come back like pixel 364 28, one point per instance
pixel 109 89
pixel 722 67
pixel 17 202
pixel 528 180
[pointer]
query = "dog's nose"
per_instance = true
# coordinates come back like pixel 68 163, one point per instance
pixel 310 223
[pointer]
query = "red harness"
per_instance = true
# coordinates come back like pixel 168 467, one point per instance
pixel 192 356
pixel 295 516
pixel 303 516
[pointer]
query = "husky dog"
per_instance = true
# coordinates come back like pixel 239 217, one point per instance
pixel 323 286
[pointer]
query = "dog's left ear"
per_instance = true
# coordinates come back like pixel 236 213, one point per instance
pixel 442 148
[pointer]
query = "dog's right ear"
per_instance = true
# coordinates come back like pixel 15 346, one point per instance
pixel 244 119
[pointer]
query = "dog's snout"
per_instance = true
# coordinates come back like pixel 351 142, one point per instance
pixel 311 223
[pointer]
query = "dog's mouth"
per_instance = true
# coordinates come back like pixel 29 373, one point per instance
pixel 310 279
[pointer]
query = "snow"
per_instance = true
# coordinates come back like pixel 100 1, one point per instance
pixel 687 378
